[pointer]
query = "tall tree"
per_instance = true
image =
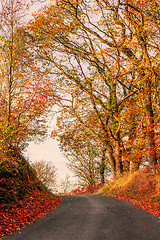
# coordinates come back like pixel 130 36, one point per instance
pixel 104 61
pixel 25 93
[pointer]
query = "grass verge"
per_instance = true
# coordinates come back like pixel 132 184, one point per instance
pixel 141 187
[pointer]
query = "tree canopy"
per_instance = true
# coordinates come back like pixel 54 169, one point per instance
pixel 25 95
pixel 102 59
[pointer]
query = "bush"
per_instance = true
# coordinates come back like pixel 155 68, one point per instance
pixel 88 189
pixel 16 178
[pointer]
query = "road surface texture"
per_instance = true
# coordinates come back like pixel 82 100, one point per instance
pixel 92 218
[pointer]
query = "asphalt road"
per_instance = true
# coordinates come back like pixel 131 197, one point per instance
pixel 92 218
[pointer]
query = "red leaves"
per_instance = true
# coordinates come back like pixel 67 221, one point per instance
pixel 24 198
pixel 152 207
pixel 21 213
pixel 141 188
pixel 88 189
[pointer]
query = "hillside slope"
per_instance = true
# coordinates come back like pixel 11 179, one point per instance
pixel 23 198
pixel 141 187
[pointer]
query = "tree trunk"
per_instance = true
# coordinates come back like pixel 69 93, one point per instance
pixel 149 123
pixel 102 166
pixel 118 156
pixel 10 77
pixel 112 160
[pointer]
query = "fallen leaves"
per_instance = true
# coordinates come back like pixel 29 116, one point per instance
pixel 14 216
pixel 152 207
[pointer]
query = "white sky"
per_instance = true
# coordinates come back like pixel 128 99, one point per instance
pixel 49 151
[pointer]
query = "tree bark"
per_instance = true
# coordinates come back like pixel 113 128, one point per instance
pixel 112 160
pixel 118 156
pixel 102 166
pixel 149 123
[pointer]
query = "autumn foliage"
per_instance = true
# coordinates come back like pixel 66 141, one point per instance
pixel 26 95
pixel 141 187
pixel 22 212
pixel 106 70
pixel 99 62
pixel 87 190
pixel 23 198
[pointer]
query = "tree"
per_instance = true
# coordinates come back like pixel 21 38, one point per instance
pixel 102 65
pixel 86 155
pixel 65 184
pixel 25 95
pixel 47 173
pixel 146 72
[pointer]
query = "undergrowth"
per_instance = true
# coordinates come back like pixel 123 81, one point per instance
pixel 23 198
pixel 17 178
pixel 86 190
pixel 141 187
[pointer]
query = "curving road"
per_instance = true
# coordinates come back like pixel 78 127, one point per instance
pixel 92 218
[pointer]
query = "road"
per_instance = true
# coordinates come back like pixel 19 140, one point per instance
pixel 92 218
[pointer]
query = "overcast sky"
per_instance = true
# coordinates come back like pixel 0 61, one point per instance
pixel 49 151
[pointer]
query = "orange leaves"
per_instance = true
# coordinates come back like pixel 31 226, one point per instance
pixel 18 214
pixel 22 100
pixel 32 98
pixel 48 23
pixel 99 61
pixel 141 188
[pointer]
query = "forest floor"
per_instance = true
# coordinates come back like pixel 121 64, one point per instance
pixel 17 214
pixel 23 198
